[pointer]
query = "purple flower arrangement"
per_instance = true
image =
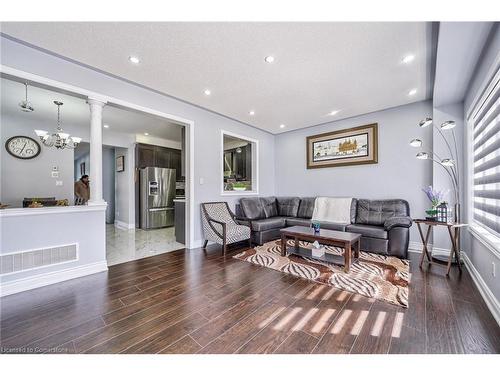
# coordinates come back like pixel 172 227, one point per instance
pixel 435 196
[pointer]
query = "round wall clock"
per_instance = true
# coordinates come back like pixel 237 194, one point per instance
pixel 22 147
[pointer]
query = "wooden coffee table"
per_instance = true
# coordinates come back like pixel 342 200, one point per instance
pixel 345 240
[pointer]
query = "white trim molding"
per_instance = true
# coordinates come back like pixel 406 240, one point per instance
pixel 488 296
pixel 9 212
pixel 255 165
pixel 123 225
pixel 48 278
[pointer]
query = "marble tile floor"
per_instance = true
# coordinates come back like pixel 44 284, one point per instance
pixel 126 245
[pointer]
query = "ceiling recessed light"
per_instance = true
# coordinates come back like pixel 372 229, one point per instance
pixel 106 126
pixel 146 133
pixel 269 59
pixel 207 92
pixel 408 59
pixel 282 126
pixel 333 113
pixel 251 113
pixel 134 59
pixel 412 92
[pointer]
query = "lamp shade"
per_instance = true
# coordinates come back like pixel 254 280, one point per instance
pixel 416 142
pixel 425 122
pixel 40 133
pixel 448 125
pixel 448 162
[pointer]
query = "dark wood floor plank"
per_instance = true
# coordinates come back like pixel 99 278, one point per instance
pixel 297 343
pixel 236 336
pixel 185 345
pixel 408 341
pixel 477 329
pixel 197 300
pixel 218 325
pixel 383 321
pixel 168 335
pixel 442 328
pixel 330 305
pixel 348 323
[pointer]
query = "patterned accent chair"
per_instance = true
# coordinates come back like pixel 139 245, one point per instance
pixel 220 225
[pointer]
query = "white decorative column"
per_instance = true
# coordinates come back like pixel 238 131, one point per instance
pixel 96 107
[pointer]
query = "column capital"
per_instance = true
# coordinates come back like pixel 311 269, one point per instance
pixel 96 101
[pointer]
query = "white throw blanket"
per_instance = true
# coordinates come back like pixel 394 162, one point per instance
pixel 332 210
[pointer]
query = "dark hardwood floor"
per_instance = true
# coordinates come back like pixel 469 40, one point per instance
pixel 200 302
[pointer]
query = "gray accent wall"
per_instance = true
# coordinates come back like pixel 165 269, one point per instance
pixel 33 177
pixel 398 173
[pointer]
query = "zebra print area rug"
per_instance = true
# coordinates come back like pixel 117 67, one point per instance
pixel 374 276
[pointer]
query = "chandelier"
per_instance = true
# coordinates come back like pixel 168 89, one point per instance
pixel 59 139
pixel 26 104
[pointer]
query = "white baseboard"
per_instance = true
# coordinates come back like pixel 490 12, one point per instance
pixel 488 296
pixel 123 225
pixel 45 279
pixel 486 293
pixel 196 243
pixel 416 247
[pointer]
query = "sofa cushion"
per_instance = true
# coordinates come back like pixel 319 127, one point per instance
pixel 306 208
pixel 252 208
pixel 376 212
pixel 270 206
pixel 333 226
pixel 354 208
pixel 293 221
pixel 373 231
pixel 268 223
pixel 288 206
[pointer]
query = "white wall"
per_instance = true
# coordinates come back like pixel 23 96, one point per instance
pixel 398 173
pixel 124 192
pixel 108 182
pixel 206 130
pixel 32 178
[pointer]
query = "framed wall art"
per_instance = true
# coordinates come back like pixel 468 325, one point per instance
pixel 120 163
pixel 344 147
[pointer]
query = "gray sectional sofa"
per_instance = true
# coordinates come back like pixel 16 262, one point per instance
pixel 383 224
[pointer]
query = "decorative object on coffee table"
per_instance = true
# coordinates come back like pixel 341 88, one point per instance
pixel 383 277
pixel 325 236
pixel 352 146
pixel 451 164
pixel 453 231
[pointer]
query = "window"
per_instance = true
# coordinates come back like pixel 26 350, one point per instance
pixel 484 161
pixel 239 164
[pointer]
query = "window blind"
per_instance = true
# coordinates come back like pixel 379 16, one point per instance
pixel 485 124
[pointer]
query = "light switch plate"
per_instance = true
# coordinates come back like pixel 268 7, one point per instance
pixel 202 180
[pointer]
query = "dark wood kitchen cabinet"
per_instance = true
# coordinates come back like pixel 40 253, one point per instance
pixel 157 156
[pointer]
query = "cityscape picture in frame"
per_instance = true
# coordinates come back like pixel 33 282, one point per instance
pixel 120 163
pixel 344 147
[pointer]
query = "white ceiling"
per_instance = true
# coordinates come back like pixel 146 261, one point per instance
pixel 75 112
pixel 319 67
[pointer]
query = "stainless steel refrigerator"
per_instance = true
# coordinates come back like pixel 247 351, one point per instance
pixel 157 192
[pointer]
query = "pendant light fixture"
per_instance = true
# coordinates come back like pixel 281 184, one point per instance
pixel 26 104
pixel 59 139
